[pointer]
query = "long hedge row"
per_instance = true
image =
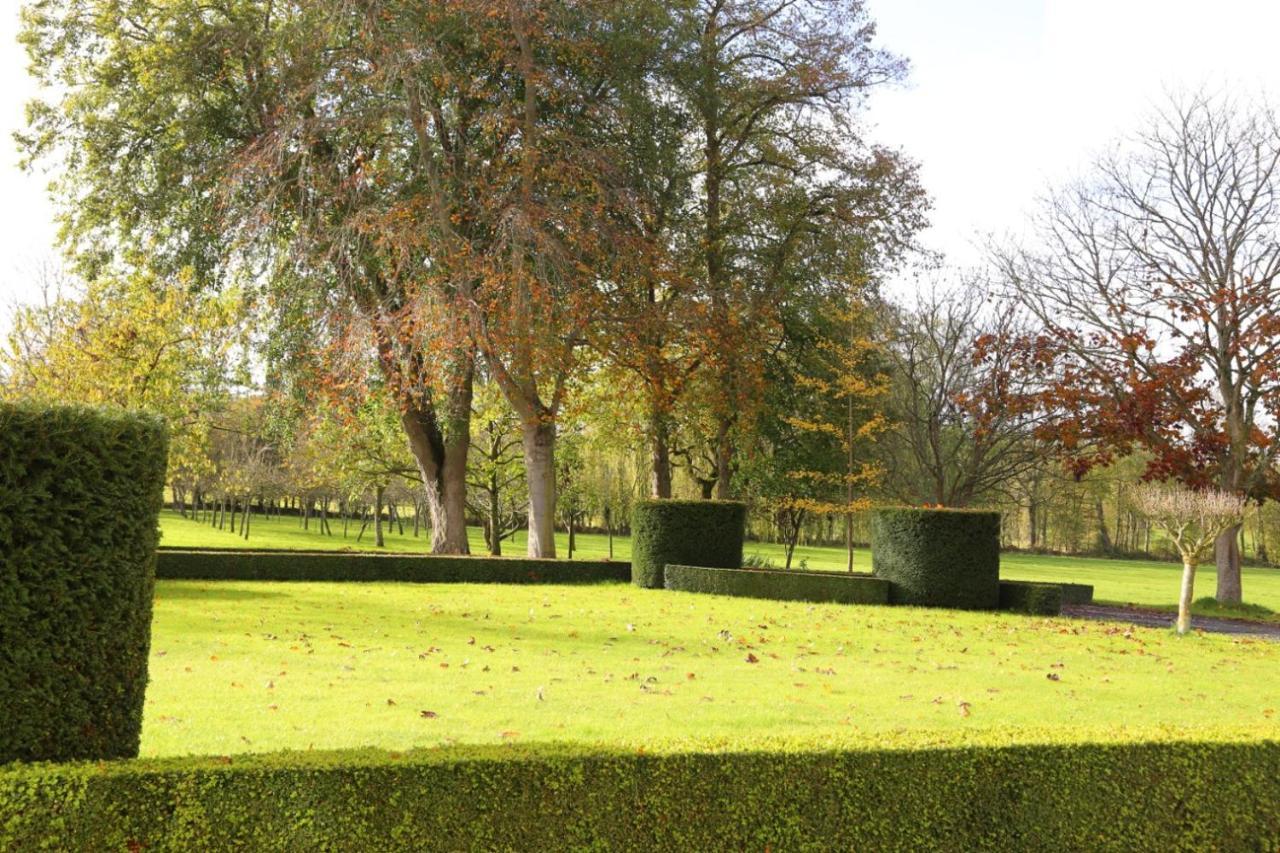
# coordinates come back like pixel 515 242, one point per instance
pixel 779 584
pixel 406 568
pixel 1136 796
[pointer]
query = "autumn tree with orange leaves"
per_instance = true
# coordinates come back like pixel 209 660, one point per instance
pixel 1155 283
pixel 432 179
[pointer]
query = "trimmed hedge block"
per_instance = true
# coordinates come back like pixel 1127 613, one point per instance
pixel 406 568
pixel 80 496
pixel 685 533
pixel 1039 599
pixel 1080 796
pixel 938 557
pixel 780 585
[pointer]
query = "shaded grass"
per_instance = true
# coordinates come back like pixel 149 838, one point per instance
pixel 1137 582
pixel 256 666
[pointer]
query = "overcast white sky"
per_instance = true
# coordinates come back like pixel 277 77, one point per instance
pixel 1005 97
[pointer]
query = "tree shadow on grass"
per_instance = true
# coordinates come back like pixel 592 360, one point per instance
pixel 212 592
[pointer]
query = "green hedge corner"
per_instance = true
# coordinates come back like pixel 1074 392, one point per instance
pixel 685 533
pixel 80 496
pixel 1038 599
pixel 779 585
pixel 938 557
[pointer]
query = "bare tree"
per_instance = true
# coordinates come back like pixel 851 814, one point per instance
pixel 1156 284
pixel 1194 521
pixel 961 427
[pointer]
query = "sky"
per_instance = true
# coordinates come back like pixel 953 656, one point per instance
pixel 1005 98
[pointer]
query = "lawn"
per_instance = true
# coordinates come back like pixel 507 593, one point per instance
pixel 1147 583
pixel 250 667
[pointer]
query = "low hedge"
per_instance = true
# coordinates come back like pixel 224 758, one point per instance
pixel 780 585
pixel 938 557
pixel 1076 593
pixel 685 533
pixel 1135 796
pixel 408 568
pixel 1040 599
pixel 80 495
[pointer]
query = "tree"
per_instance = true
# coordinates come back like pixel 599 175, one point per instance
pixel 1194 521
pixel 772 88
pixel 963 428
pixel 496 479
pixel 1156 285
pixel 137 341
pixel 827 391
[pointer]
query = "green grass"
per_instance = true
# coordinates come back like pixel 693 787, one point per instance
pixel 1145 583
pixel 250 667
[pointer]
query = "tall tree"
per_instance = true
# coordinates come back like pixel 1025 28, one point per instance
pixel 1156 283
pixel 773 88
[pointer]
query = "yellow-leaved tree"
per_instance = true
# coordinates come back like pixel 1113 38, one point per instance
pixel 138 342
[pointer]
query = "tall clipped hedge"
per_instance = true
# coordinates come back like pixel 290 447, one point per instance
pixel 80 496
pixel 687 533
pixel 1078 796
pixel 938 557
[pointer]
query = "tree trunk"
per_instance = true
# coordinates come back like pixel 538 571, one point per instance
pixel 1104 537
pixel 660 455
pixel 724 462
pixel 1226 554
pixel 495 517
pixel 848 540
pixel 539 441
pixel 377 518
pixel 1184 600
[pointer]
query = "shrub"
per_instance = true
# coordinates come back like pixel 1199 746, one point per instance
pixel 409 568
pixel 1082 796
pixel 1040 599
pixel 938 558
pixel 686 533
pixel 80 495
pixel 784 585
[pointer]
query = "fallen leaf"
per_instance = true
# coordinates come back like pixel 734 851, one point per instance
pixel 751 658
pixel 428 715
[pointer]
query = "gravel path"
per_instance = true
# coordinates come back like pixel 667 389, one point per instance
pixel 1161 619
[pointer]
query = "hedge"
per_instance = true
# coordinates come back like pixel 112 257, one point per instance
pixel 1157 796
pixel 1040 599
pixel 780 585
pixel 1076 593
pixel 409 568
pixel 938 558
pixel 685 533
pixel 80 496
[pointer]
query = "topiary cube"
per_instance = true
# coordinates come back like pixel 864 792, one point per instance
pixel 938 557
pixel 687 533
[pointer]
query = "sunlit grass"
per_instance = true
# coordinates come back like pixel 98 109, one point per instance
pixel 257 666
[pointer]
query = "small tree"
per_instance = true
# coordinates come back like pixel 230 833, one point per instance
pixel 1194 521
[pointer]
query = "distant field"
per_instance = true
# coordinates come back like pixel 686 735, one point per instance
pixel 1138 582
